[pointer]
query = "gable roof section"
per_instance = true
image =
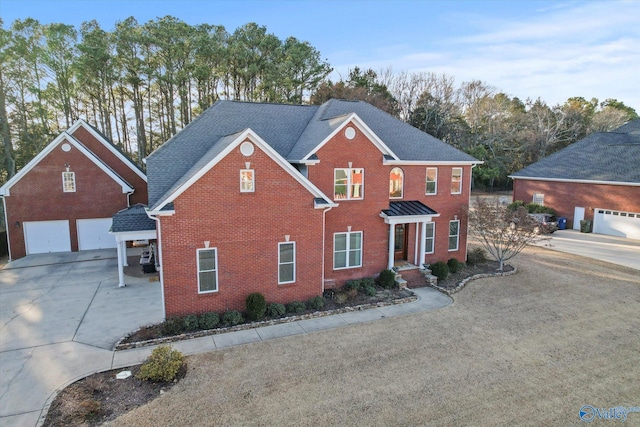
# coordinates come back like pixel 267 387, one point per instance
pixel 217 152
pixel 64 136
pixel 133 218
pixel 602 157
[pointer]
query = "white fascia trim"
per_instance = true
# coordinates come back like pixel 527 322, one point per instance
pixel 362 126
pixel 255 138
pixel 428 163
pixel 159 212
pixel 127 236
pixel 407 218
pixel 64 136
pixel 107 144
pixel 577 181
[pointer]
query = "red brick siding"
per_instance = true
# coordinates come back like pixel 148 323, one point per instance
pixel 114 162
pixel 246 229
pixel 38 196
pixel 563 197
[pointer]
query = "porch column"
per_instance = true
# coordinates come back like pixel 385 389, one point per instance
pixel 121 264
pixel 125 261
pixel 392 245
pixel 423 238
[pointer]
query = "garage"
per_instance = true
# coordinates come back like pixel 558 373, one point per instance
pixel 617 223
pixel 94 234
pixel 47 236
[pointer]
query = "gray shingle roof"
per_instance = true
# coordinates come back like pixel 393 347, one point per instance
pixel 133 218
pixel 603 156
pixel 294 131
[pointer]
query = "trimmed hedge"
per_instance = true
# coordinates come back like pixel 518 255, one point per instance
pixel 256 306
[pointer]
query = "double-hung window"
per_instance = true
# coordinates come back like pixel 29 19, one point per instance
pixel 286 262
pixel 69 182
pixel 538 199
pixel 456 180
pixel 207 270
pixel 347 250
pixel 454 235
pixel 396 178
pixel 348 184
pixel 432 181
pixel 430 235
pixel 247 181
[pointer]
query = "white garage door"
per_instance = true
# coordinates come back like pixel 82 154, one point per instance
pixel 94 234
pixel 617 223
pixel 47 236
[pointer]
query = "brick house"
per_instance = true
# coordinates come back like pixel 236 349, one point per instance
pixel 288 200
pixel 63 199
pixel 596 179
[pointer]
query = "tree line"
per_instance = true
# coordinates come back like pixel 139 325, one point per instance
pixel 139 84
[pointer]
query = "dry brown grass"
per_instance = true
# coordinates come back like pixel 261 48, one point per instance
pixel 529 349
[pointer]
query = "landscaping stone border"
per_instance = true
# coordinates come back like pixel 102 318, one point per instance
pixel 463 282
pixel 197 334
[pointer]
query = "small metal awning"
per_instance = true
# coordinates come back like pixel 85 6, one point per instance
pixel 402 212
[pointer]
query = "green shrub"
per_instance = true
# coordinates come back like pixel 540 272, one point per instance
pixel 296 307
pixel 256 306
pixel 208 320
pixel 476 256
pixel 341 297
pixel 191 322
pixel 440 270
pixel 173 326
pixel 276 309
pixel 162 365
pixel 232 318
pixel 352 285
pixel 454 265
pixel 367 281
pixel 387 279
pixel 316 303
pixel 370 290
pixel 515 205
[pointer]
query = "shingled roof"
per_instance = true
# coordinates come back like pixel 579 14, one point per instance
pixel 601 157
pixel 293 131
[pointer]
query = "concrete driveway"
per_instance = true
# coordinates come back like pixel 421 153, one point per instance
pixel 60 317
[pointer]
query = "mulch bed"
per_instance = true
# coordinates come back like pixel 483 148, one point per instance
pixel 455 281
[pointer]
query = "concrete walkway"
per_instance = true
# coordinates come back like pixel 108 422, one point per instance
pixel 62 314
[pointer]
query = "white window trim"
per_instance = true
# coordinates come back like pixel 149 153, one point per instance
pixel 427 181
pixel 401 183
pixel 281 263
pixel 457 236
pixel 253 181
pixel 348 249
pixel 204 271
pixel 452 181
pixel 349 184
pixel 73 179
pixel 536 197
pixel 433 239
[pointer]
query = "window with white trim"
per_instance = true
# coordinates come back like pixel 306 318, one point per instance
pixel 430 235
pixel 247 181
pixel 69 182
pixel 538 199
pixel 348 184
pixel 454 235
pixel 286 262
pixel 207 270
pixel 432 181
pixel 456 180
pixel 347 250
pixel 396 178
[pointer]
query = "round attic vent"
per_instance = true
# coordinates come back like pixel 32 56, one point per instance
pixel 247 148
pixel 66 147
pixel 350 133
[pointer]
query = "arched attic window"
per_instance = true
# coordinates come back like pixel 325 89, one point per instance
pixel 396 179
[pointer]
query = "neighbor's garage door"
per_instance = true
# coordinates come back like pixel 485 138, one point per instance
pixel 47 236
pixel 94 234
pixel 617 223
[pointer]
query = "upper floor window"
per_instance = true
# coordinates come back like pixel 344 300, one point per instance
pixel 247 181
pixel 347 250
pixel 396 178
pixel 207 270
pixel 69 182
pixel 432 181
pixel 538 199
pixel 456 180
pixel 286 262
pixel 454 235
pixel 348 184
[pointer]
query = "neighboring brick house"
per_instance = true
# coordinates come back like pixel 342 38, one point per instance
pixel 288 200
pixel 64 198
pixel 595 179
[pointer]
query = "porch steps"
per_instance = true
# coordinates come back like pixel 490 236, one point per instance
pixel 413 277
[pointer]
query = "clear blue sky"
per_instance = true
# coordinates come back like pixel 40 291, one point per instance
pixel 529 49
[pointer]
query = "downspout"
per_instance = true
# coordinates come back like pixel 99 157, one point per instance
pixel 159 260
pixel 6 225
pixel 324 238
pixel 129 198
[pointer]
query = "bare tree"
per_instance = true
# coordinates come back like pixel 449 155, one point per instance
pixel 502 231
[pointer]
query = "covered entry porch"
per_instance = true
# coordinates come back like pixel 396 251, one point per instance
pixel 399 217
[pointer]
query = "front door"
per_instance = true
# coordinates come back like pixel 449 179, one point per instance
pixel 578 215
pixel 400 242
